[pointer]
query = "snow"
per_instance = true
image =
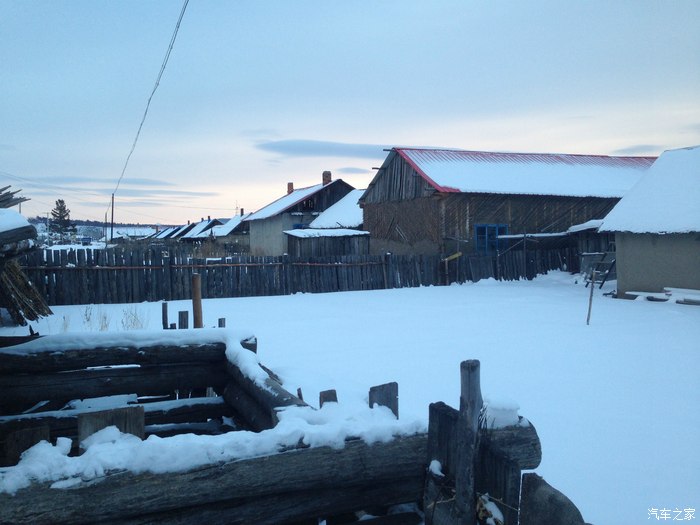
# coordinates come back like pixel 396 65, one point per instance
pixel 222 230
pixel 283 203
pixel 614 403
pixel 593 224
pixel 501 413
pixel 528 173
pixel 11 220
pixel 346 213
pixel 330 232
pixel 435 468
pixel 666 199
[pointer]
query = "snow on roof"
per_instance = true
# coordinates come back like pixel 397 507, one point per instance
pixel 167 232
pixel 11 220
pixel 346 213
pixel 221 230
pixel 325 232
pixel 593 224
pixel 284 203
pixel 666 199
pixel 526 173
pixel 201 230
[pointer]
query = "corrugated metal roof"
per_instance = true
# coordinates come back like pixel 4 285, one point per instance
pixel 452 170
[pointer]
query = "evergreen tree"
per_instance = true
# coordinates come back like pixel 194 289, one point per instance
pixel 60 220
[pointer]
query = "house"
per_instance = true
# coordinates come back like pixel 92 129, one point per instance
pixel 657 226
pixel 293 211
pixel 440 201
pixel 234 233
pixel 336 231
pixel 201 230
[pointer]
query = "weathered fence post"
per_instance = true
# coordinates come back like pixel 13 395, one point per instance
pixel 470 404
pixel 183 320
pixel 385 395
pixel 164 307
pixel 327 396
pixel 197 301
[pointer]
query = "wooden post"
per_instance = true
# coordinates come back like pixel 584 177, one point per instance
pixel 590 299
pixel 183 320
pixel 470 404
pixel 165 315
pixel 197 301
pixel 385 395
pixel 222 322
pixel 173 326
pixel 327 396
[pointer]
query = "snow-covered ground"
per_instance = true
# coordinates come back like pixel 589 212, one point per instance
pixel 614 403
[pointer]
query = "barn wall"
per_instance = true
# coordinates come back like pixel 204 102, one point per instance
pixel 328 246
pixel 397 181
pixel 267 237
pixel 408 227
pixel 648 262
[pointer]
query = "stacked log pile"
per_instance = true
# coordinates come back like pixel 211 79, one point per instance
pixel 17 294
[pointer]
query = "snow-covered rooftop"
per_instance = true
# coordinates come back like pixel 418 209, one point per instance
pixel 346 213
pixel 284 203
pixel 666 199
pixel 324 232
pixel 593 224
pixel 11 220
pixel 526 173
pixel 221 230
pixel 201 229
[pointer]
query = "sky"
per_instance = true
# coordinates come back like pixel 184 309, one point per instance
pixel 260 93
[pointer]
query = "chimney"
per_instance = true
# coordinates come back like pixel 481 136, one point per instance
pixel 326 177
pixel 242 212
pixel 209 217
pixel 290 187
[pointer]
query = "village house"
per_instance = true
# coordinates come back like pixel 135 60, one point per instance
pixel 442 201
pixel 297 209
pixel 336 231
pixel 657 226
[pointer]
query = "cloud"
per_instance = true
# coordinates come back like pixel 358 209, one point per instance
pixel 353 171
pixel 320 148
pixel 640 149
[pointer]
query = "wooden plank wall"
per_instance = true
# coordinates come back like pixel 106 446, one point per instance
pixel 132 274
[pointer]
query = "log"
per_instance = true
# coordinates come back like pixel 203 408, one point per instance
pixel 281 488
pixel 519 444
pixel 197 321
pixel 23 391
pixel 14 362
pixel 65 422
pixel 270 397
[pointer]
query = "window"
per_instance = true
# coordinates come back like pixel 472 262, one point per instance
pixel 486 236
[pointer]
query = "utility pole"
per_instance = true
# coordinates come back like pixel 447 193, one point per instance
pixel 111 233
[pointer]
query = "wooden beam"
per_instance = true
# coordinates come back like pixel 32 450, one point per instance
pixel 386 395
pixel 20 392
pixel 129 420
pixel 12 363
pixel 281 488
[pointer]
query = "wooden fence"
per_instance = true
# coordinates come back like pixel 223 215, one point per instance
pixel 131 274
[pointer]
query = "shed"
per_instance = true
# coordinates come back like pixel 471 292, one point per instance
pixel 427 200
pixel 657 226
pixel 294 210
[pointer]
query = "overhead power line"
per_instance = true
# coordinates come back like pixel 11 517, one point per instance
pixel 148 104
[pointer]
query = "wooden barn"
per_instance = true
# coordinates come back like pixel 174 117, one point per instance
pixel 657 227
pixel 441 201
pixel 297 209
pixel 336 231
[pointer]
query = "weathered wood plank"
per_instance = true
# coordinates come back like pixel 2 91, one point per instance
pixel 129 420
pixel 385 395
pixel 295 485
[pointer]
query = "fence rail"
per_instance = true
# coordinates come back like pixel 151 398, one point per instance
pixel 136 274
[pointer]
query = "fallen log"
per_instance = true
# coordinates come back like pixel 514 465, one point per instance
pixel 281 488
